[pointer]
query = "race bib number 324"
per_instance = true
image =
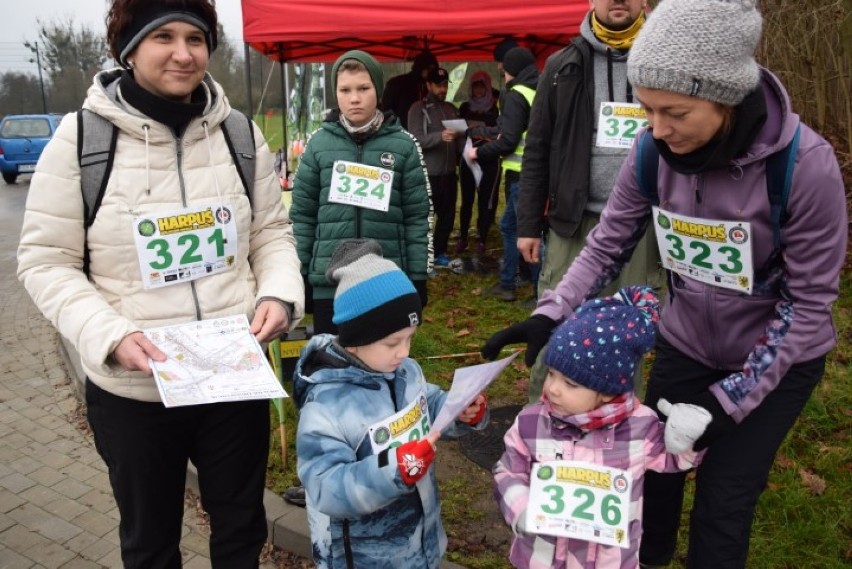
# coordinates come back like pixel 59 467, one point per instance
pixel 360 185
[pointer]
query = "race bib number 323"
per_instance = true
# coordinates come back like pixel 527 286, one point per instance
pixel 712 251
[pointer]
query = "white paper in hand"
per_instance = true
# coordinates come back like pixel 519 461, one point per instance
pixel 455 125
pixel 474 166
pixel 468 382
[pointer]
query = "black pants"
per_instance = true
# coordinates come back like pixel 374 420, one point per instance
pixel 485 195
pixel 735 469
pixel 146 447
pixel 445 192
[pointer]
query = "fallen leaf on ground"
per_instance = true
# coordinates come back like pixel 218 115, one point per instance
pixel 812 481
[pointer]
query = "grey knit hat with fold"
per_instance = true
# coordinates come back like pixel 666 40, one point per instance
pixel 699 48
pixel 374 298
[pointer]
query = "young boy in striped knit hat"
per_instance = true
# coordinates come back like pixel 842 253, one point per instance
pixel 570 480
pixel 364 442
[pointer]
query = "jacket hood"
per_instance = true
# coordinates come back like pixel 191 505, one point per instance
pixel 104 98
pixel 781 121
pixel 322 361
pixel 528 77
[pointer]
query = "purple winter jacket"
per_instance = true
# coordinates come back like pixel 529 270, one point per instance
pixel 759 336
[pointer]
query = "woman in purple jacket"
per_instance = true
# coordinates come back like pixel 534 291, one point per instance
pixel 747 323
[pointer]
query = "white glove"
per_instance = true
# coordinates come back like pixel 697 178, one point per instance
pixel 686 424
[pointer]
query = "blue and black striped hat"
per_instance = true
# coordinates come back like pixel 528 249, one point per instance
pixel 374 298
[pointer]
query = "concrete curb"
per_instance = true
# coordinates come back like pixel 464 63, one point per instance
pixel 287 525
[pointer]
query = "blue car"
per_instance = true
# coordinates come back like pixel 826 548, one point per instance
pixel 22 138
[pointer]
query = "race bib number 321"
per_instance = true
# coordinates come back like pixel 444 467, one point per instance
pixel 184 245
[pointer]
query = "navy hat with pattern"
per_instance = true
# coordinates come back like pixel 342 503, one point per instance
pixel 374 298
pixel 604 340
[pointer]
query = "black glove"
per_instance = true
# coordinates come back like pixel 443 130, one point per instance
pixel 535 331
pixel 421 290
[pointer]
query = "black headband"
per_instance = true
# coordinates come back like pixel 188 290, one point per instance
pixel 155 15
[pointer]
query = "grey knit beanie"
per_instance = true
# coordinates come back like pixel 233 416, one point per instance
pixel 700 48
pixel 374 298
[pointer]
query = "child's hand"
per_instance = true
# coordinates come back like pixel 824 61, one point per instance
pixel 474 412
pixel 415 457
pixel 686 424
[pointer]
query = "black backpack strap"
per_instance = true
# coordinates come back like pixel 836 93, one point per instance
pixel 239 135
pixel 779 179
pixel 647 167
pixel 96 139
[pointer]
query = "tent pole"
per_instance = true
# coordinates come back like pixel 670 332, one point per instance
pixel 285 96
pixel 247 55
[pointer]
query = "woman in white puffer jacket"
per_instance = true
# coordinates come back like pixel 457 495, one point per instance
pixel 170 158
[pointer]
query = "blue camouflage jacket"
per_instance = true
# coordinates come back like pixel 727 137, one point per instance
pixel 360 511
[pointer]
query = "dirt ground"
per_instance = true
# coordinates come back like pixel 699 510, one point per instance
pixel 473 523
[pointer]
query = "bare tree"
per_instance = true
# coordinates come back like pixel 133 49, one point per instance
pixel 70 55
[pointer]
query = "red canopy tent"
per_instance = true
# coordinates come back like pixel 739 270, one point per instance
pixel 396 30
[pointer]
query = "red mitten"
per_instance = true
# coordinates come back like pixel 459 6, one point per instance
pixel 414 458
pixel 483 405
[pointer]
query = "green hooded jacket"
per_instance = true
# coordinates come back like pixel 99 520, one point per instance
pixel 403 231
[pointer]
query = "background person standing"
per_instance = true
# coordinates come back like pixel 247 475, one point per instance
pixel 567 176
pixel 442 148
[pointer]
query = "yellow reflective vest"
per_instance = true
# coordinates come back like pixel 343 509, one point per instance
pixel 513 161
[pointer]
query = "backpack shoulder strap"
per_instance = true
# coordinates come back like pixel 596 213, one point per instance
pixel 96 139
pixel 239 135
pixel 779 179
pixel 647 166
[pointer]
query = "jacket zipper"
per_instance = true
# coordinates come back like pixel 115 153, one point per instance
pixel 358 158
pixel 347 546
pixel 708 290
pixel 179 153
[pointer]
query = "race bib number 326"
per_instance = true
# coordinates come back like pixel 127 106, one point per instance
pixel 580 500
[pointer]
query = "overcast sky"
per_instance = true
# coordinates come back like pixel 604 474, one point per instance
pixel 19 24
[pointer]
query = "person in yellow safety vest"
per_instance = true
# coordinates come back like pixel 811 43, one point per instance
pixel 521 74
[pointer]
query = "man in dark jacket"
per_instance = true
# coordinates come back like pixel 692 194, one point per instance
pixel 569 167
pixel 404 90
pixel 442 148
pixel 521 77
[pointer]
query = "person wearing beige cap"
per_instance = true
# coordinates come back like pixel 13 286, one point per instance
pixel 753 259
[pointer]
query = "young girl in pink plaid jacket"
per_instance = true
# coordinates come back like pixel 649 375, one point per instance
pixel 589 415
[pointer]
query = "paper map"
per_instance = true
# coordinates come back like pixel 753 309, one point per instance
pixel 468 382
pixel 212 361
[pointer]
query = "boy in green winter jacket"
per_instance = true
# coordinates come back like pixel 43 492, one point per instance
pixel 361 176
